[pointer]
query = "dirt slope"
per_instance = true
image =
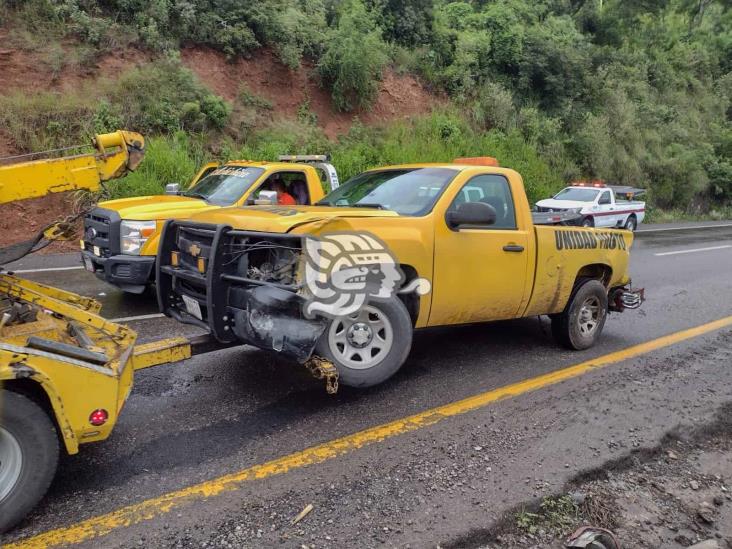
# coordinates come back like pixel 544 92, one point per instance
pixel 22 220
pixel 31 71
pixel 400 96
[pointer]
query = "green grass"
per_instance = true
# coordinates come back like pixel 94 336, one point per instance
pixel 172 159
pixel 658 215
pixel 556 514
pixel 440 137
pixel 161 97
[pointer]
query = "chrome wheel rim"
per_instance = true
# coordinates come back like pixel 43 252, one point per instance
pixel 361 340
pixel 589 317
pixel 11 462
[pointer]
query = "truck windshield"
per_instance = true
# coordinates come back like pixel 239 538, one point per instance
pixel 412 191
pixel 579 195
pixel 225 185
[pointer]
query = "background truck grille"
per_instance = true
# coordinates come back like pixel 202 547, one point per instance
pixel 101 229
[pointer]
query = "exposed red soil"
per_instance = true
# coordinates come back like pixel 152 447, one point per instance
pixel 21 220
pixel 400 96
pixel 7 147
pixel 28 71
pixel 31 71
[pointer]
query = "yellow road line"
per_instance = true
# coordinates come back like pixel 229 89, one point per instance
pixel 145 510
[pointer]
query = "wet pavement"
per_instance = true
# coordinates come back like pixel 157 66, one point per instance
pixel 219 413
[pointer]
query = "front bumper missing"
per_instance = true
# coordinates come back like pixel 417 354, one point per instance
pixel 271 318
pixel 231 307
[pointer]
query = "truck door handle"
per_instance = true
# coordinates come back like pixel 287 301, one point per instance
pixel 513 248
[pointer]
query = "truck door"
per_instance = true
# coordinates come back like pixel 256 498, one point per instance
pixel 606 217
pixel 479 273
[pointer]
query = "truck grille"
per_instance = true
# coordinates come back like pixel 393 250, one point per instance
pixel 193 242
pixel 235 263
pixel 101 229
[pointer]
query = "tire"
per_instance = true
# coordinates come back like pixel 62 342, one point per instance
pixel 579 326
pixel 631 224
pixel 29 452
pixel 588 222
pixel 379 334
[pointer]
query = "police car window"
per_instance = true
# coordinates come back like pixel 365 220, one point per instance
pixel 577 193
pixel 605 198
pixel 493 190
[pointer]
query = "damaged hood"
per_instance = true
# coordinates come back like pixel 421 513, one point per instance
pixel 281 219
pixel 562 204
pixel 158 207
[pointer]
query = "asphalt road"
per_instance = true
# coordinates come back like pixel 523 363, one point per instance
pixel 220 413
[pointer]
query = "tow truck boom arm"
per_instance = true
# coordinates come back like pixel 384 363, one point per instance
pixel 115 154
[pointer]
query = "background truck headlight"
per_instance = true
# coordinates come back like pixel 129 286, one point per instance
pixel 133 235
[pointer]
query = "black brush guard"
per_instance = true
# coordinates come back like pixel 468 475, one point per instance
pixel 232 307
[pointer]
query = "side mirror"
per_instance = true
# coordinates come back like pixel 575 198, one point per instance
pixel 172 188
pixel 267 198
pixel 471 214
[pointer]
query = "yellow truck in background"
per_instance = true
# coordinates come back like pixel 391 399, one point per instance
pixel 392 250
pixel 120 239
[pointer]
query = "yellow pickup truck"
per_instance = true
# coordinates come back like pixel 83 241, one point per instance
pixel 392 250
pixel 120 239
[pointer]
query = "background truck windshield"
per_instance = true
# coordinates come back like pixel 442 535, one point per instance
pixel 580 195
pixel 407 192
pixel 225 185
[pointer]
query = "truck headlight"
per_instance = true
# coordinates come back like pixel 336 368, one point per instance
pixel 133 234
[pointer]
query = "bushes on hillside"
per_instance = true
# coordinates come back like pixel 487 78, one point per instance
pixel 354 58
pixel 439 137
pixel 291 27
pixel 160 97
pixel 634 92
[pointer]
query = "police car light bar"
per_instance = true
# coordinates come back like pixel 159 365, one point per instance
pixel 598 184
pixel 304 158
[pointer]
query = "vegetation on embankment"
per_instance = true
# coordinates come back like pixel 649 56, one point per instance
pixel 441 136
pixel 631 92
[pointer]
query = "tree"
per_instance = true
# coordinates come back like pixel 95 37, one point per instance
pixel 354 58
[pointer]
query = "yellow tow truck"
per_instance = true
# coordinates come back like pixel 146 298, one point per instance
pixel 121 237
pixel 65 371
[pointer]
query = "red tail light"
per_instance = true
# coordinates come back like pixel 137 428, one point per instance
pixel 98 417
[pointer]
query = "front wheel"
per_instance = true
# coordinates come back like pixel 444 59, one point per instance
pixel 369 346
pixel 28 456
pixel 588 222
pixel 580 324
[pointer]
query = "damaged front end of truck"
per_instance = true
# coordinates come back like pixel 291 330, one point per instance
pixel 242 286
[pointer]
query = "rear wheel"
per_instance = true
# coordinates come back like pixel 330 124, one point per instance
pixel 631 224
pixel 580 324
pixel 28 456
pixel 369 346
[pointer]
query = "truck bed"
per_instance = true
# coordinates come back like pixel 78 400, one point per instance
pixel 630 203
